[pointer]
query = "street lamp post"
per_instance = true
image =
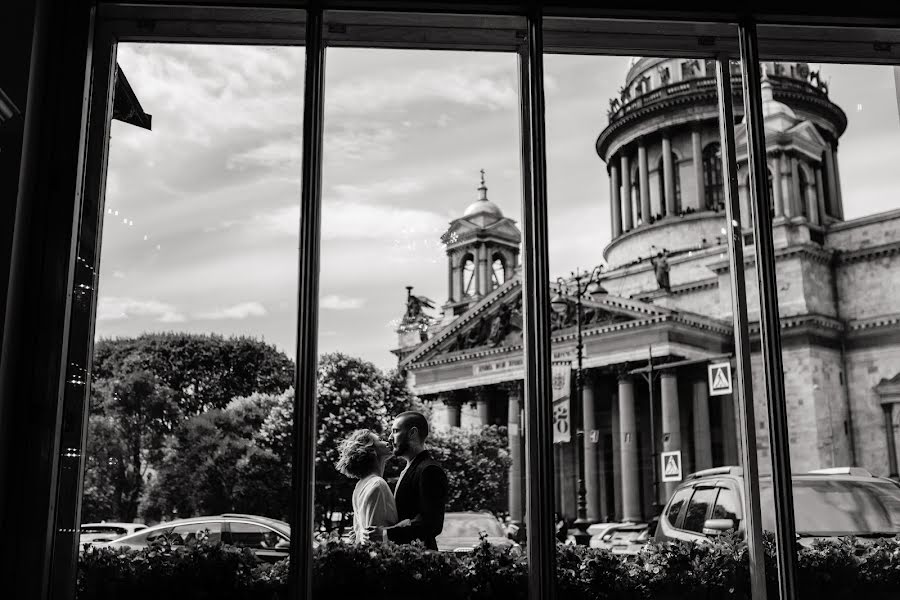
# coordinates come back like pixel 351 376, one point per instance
pixel 584 282
pixel 650 377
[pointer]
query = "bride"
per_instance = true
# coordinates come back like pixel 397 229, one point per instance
pixel 362 456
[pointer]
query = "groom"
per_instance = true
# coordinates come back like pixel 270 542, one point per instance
pixel 421 491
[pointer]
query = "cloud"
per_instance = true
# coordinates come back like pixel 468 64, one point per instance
pixel 239 311
pixel 491 87
pixel 116 308
pixel 337 302
pixel 278 154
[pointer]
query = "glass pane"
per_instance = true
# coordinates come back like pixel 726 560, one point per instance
pixel 639 273
pixel 420 300
pixel 698 508
pixel 727 507
pixel 832 135
pixel 191 386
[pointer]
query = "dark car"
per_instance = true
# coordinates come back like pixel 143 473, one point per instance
pixel 270 539
pixel 462 530
pixel 828 503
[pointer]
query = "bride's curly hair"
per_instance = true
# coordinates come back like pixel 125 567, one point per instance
pixel 357 456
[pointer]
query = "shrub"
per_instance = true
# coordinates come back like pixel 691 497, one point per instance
pixel 842 569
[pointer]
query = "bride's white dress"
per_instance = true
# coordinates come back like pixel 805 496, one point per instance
pixel 373 504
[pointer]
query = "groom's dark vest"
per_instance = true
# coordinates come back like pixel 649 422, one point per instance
pixel 421 496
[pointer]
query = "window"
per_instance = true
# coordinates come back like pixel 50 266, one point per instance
pixel 498 272
pixel 678 501
pixel 191 533
pixel 698 508
pixel 468 276
pixel 712 176
pixel 726 506
pixel 251 535
pixel 636 194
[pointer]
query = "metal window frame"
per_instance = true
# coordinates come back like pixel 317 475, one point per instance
pixel 152 22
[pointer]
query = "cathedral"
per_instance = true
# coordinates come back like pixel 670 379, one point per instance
pixel 660 311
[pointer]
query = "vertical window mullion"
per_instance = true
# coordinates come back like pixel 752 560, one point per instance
pixel 304 425
pixel 75 398
pixel 740 323
pixel 770 323
pixel 536 300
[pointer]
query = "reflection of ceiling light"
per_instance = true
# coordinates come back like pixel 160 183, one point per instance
pixel 145 238
pixel 723 231
pixel 116 213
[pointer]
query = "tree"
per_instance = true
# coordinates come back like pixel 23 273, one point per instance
pixel 132 414
pixel 204 371
pixel 213 464
pixel 477 464
pixel 352 394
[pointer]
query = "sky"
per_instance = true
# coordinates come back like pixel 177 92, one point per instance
pixel 201 226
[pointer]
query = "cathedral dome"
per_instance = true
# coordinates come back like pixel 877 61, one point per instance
pixel 483 206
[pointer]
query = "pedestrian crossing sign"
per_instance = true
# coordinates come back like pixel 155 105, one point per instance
pixel 719 378
pixel 671 465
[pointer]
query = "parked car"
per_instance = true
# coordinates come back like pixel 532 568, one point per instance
pixel 462 530
pixel 600 533
pixel 92 533
pixel 270 539
pixel 828 503
pixel 622 538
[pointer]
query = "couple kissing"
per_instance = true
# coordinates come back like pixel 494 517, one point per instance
pixel 415 509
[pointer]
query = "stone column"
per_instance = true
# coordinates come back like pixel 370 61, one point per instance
pixel 482 401
pixel 671 422
pixel 839 198
pixel 777 196
pixel 744 199
pixel 812 208
pixel 478 283
pixel 631 493
pixel 627 209
pixel 888 409
pixel 616 509
pixel 615 206
pixel 787 198
pixel 820 194
pixel 799 204
pixel 702 439
pixel 450 273
pixel 698 170
pixel 644 178
pixel 591 467
pixel 486 269
pixel 668 174
pixel 832 182
pixel 516 468
pixel 453 411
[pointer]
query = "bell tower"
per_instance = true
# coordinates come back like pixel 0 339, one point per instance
pixel 482 252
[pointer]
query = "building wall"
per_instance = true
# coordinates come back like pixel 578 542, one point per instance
pixel 865 368
pixel 869 288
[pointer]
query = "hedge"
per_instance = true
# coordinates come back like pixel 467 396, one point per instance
pixel 847 568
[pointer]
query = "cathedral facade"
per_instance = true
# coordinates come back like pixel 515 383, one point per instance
pixel 661 311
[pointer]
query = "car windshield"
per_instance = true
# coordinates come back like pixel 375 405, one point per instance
pixel 471 526
pixel 838 507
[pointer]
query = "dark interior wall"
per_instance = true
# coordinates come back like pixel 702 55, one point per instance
pixel 15 48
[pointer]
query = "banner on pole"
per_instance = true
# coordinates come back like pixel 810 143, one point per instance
pixel 562 417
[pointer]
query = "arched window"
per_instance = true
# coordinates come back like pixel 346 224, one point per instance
pixel 468 275
pixel 713 183
pixel 498 272
pixel 803 182
pixel 662 184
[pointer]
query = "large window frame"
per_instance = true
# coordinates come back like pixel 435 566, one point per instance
pixel 71 338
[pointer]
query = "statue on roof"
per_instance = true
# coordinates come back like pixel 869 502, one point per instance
pixel 661 269
pixel 415 317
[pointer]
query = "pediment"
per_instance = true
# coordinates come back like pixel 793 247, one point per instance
pixel 496 322
pixel 465 228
